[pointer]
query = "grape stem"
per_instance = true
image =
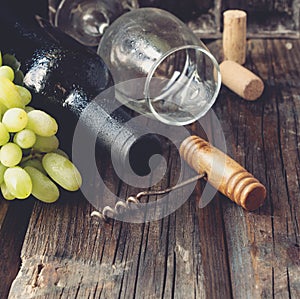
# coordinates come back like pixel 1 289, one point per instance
pixel 33 155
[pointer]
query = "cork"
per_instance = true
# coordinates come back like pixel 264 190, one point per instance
pixel 223 173
pixel 241 80
pixel 234 35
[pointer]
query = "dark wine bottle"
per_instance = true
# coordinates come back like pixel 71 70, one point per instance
pixel 65 73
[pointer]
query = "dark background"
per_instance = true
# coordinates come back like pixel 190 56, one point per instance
pixel 268 18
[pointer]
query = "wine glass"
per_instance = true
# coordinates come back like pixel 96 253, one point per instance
pixel 168 73
pixel 86 20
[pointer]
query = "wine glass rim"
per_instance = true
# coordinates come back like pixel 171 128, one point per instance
pixel 159 61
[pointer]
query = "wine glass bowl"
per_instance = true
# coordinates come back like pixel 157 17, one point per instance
pixel 87 20
pixel 178 78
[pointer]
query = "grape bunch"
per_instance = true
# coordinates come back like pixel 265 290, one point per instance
pixel 31 162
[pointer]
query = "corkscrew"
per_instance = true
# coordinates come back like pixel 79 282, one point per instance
pixel 211 164
pixel 136 198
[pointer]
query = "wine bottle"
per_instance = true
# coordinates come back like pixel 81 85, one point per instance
pixel 69 75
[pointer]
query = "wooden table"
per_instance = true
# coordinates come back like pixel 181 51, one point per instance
pixel 220 251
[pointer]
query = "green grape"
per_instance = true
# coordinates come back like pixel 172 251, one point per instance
pixel 46 144
pixel 9 95
pixel 11 61
pixel 28 109
pixel 18 182
pixel 62 171
pixel 10 154
pixel 42 123
pixel 61 152
pixel 7 72
pixel 0 58
pixel 25 138
pixel 2 170
pixel 36 163
pixel 4 134
pixel 15 119
pixel 3 109
pixel 42 187
pixel 6 194
pixel 25 94
pixel 19 77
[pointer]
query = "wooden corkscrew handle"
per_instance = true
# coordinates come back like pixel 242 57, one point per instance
pixel 223 173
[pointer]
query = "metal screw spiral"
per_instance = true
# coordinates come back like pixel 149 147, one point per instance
pixel 133 201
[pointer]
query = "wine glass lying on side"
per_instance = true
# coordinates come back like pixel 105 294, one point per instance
pixel 168 72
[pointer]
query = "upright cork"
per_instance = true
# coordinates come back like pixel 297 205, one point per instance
pixel 223 173
pixel 234 35
pixel 241 80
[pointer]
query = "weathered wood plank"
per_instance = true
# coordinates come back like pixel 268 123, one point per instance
pixel 69 255
pixel 263 247
pixel 4 204
pixel 13 225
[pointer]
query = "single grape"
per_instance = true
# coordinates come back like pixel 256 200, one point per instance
pixel 46 144
pixel 19 77
pixel 42 187
pixel 25 94
pixel 41 123
pixel 3 109
pixel 28 109
pixel 7 72
pixel 25 138
pixel 2 170
pixel 18 182
pixel 6 194
pixel 62 153
pixel 11 61
pixel 62 171
pixel 4 134
pixel 15 119
pixel 10 154
pixel 9 95
pixel 36 163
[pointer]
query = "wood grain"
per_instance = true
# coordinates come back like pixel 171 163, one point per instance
pixel 14 218
pixel 73 256
pixel 264 137
pixel 223 173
